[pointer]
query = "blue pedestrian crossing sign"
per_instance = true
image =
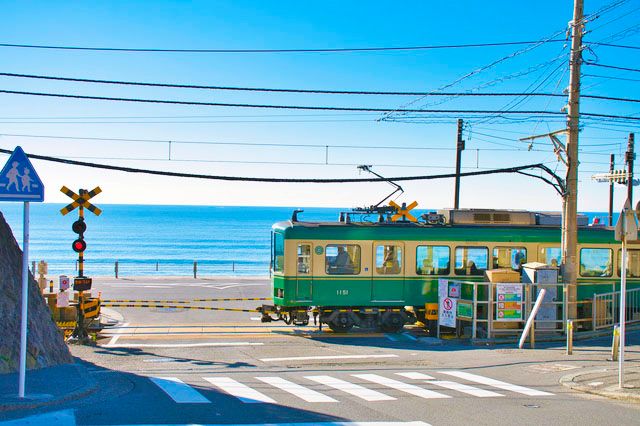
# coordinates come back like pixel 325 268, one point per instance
pixel 19 180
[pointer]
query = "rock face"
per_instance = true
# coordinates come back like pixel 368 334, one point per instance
pixel 45 346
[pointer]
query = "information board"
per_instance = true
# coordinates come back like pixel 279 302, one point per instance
pixel 465 310
pixel 508 302
pixel 447 308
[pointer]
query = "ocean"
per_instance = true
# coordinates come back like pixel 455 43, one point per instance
pixel 160 240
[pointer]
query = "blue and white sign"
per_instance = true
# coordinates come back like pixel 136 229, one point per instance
pixel 19 180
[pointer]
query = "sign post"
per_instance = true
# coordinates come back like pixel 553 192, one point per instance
pixel 20 182
pixel 626 229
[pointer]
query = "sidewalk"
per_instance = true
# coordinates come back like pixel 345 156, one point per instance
pixel 46 387
pixel 604 382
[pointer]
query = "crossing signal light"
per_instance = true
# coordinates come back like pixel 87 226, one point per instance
pixel 79 226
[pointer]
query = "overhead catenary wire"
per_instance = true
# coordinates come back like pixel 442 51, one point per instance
pixel 594 64
pixel 540 166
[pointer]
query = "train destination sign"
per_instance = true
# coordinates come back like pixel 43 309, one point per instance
pixel 508 302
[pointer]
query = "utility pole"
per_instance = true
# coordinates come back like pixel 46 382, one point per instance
pixel 628 158
pixel 459 149
pixel 570 207
pixel 611 168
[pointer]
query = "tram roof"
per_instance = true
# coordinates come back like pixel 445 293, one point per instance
pixel 412 232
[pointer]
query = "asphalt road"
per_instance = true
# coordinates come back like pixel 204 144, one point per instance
pixel 171 366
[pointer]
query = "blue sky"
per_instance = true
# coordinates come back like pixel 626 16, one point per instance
pixel 327 24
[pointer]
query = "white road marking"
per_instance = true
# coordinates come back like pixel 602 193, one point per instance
pixel 243 392
pixel 179 391
pixel 115 338
pixel 401 386
pixel 304 358
pixel 471 390
pixel 302 392
pixel 180 345
pixel 416 423
pixel 351 388
pixel 496 383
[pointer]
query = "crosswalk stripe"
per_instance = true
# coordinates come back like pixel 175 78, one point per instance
pixel 496 383
pixel 351 388
pixel 179 391
pixel 302 392
pixel 243 392
pixel 471 390
pixel 401 386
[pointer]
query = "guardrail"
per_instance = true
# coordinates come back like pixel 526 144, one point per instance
pixel 606 308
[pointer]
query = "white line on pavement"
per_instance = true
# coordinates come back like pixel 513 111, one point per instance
pixel 302 392
pixel 115 338
pixel 404 387
pixel 471 390
pixel 351 388
pixel 181 345
pixel 179 391
pixel 496 383
pixel 243 392
pixel 304 358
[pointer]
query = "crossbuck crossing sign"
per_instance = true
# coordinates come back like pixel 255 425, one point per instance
pixel 19 180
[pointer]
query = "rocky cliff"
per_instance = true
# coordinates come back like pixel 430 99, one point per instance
pixel 45 346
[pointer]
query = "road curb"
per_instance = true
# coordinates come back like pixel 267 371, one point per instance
pixel 570 381
pixel 90 387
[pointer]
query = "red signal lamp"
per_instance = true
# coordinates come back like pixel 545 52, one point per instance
pixel 79 246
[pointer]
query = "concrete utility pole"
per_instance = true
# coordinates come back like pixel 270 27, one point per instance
pixel 611 168
pixel 459 149
pixel 628 158
pixel 570 208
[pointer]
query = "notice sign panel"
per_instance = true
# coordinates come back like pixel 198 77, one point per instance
pixel 447 305
pixel 508 302
pixel 465 310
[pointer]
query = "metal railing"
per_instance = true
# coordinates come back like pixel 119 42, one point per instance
pixel 606 308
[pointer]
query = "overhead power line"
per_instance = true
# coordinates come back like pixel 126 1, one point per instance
pixel 621 46
pixel 612 67
pixel 318 50
pixel 518 169
pixel 269 106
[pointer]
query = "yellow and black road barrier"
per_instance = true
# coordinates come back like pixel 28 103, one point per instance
pixel 142 301
pixel 235 299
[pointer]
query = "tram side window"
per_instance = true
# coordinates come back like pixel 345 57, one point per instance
pixel 278 252
pixel 304 258
pixel 509 257
pixel 342 259
pixel 471 260
pixel 596 262
pixel 550 255
pixel 433 260
pixel 388 259
pixel 633 263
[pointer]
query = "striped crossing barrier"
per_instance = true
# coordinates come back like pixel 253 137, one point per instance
pixel 185 307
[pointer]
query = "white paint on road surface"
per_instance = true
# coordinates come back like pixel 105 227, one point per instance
pixel 120 330
pixel 302 392
pixel 351 388
pixel 401 386
pixel 179 391
pixel 496 383
pixel 181 345
pixel 471 390
pixel 243 392
pixel 306 358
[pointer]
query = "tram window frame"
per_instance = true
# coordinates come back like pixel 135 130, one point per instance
pixel 303 265
pixel 596 270
pixel 278 252
pixel 388 261
pixel 544 255
pixel 636 253
pixel 471 265
pixel 355 257
pixel 423 269
pixel 515 262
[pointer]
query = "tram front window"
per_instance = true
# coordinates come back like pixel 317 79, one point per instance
pixel 278 252
pixel 471 261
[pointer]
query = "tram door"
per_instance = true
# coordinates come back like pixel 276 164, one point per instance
pixel 304 282
pixel 388 272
